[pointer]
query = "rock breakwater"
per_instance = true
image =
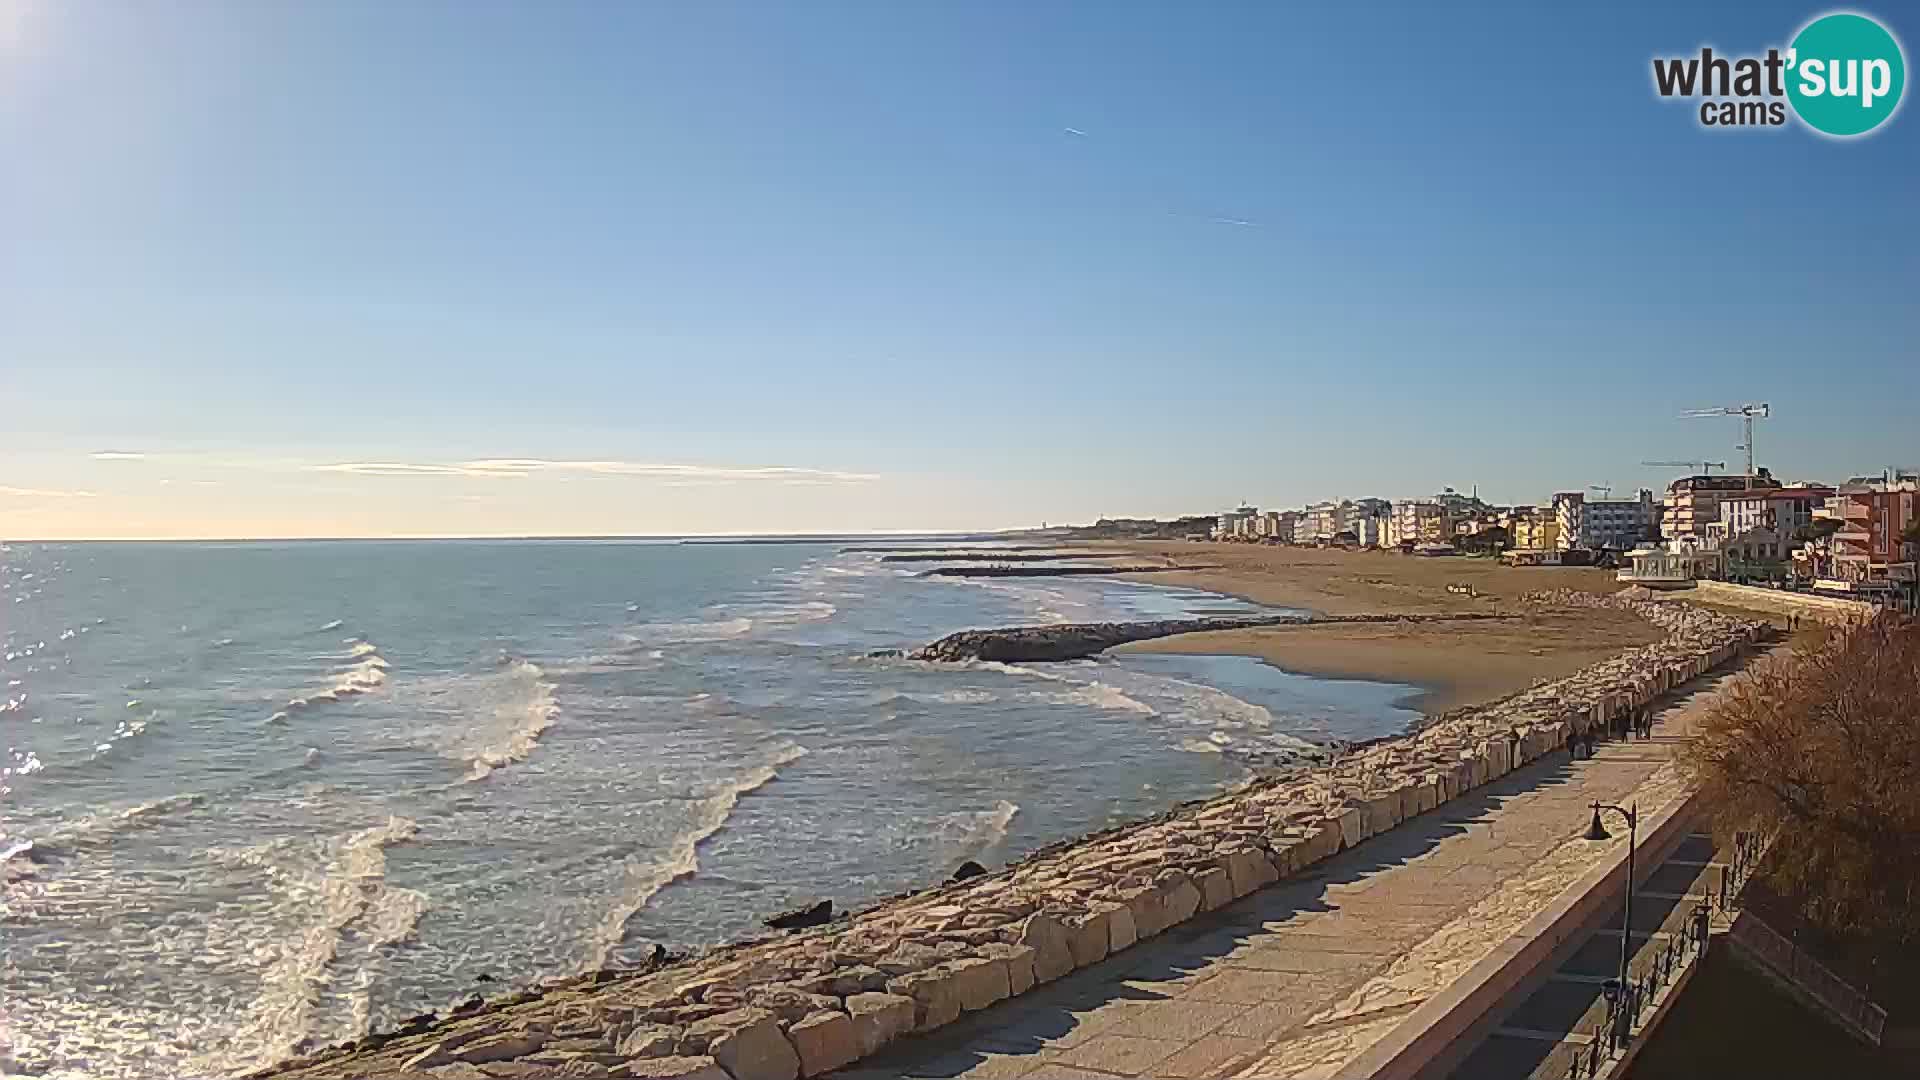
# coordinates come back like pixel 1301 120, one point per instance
pixel 1073 641
pixel 819 999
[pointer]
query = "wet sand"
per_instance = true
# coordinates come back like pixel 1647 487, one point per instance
pixel 1456 663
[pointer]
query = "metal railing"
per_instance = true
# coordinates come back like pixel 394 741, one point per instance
pixel 1777 951
pixel 1657 969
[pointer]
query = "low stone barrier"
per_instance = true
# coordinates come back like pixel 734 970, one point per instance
pixel 1072 641
pixel 820 999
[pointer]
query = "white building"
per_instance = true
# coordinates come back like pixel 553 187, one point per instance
pixel 1615 524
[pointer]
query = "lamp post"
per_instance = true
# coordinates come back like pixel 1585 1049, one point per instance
pixel 1598 831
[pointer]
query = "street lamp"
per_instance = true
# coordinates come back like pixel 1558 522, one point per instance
pixel 1598 831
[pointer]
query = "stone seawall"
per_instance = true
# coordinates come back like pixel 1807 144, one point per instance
pixel 816 1000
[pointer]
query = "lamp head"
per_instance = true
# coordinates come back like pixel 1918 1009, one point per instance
pixel 1597 831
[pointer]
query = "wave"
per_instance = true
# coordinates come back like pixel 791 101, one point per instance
pixel 1099 695
pixel 1200 746
pixel 100 828
pixel 981 832
pixel 351 889
pixel 682 859
pixel 526 714
pixel 367 674
pixel 334 625
pixel 686 633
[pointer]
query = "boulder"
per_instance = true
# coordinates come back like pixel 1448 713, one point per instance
pixel 1089 937
pixel 1052 946
pixel 935 996
pixel 749 1044
pixel 672 1068
pixel 878 1019
pixel 968 869
pixel 1248 868
pixel 1179 897
pixel 1019 961
pixel 1216 890
pixel 815 914
pixel 825 1042
pixel 649 1040
pixel 979 981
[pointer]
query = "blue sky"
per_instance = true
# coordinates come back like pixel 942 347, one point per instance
pixel 946 265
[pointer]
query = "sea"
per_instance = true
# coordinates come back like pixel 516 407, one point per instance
pixel 261 797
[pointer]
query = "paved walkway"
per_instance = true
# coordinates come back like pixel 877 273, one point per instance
pixel 1298 979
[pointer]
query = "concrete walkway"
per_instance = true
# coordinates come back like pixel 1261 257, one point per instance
pixel 1298 979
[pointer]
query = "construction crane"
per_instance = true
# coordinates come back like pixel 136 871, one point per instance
pixel 1746 413
pixel 1706 467
pixel 1605 490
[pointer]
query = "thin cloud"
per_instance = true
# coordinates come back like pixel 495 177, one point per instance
pixel 43 493
pixel 521 468
pixel 118 455
pixel 1076 131
pixel 1234 221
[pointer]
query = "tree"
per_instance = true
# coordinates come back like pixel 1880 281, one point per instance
pixel 1818 529
pixel 1821 751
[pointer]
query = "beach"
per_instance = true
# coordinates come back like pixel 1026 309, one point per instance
pixel 1454 663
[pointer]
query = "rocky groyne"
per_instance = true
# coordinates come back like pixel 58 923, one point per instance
pixel 1053 571
pixel 1073 641
pixel 821 998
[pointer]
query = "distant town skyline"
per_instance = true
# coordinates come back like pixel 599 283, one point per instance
pixel 362 269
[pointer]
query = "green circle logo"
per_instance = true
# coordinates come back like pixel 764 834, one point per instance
pixel 1845 74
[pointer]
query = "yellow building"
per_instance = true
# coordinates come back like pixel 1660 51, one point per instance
pixel 1536 531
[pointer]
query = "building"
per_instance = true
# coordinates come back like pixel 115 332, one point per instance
pixel 1693 502
pixel 1534 529
pixel 1276 525
pixel 1787 509
pixel 1322 522
pixel 1869 555
pixel 1614 524
pixel 1420 521
pixel 1235 523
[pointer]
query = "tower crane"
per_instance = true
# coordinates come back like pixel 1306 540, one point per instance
pixel 1746 413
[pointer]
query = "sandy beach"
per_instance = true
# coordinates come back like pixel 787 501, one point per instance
pixel 1454 664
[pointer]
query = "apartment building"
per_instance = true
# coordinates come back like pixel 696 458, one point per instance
pixel 1869 554
pixel 1693 502
pixel 1421 521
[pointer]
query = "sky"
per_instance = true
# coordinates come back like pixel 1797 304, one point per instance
pixel 277 269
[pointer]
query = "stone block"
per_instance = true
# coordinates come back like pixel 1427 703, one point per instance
pixel 1019 961
pixel 1216 888
pixel 1051 944
pixel 1352 826
pixel 672 1068
pixel 749 1044
pixel 878 1019
pixel 1180 897
pixel 504 1046
pixel 979 981
pixel 935 996
pixel 1149 910
pixel 648 1041
pixel 824 1042
pixel 1383 812
pixel 1121 931
pixel 1248 869
pixel 1090 936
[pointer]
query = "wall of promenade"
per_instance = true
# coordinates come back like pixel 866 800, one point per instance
pixel 1781 602
pixel 816 1000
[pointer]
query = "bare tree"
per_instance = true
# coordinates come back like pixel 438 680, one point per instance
pixel 1822 751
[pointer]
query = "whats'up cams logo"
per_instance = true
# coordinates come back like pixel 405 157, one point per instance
pixel 1842 76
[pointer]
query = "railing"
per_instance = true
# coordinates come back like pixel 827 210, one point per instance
pixel 1690 931
pixel 1657 969
pixel 1839 997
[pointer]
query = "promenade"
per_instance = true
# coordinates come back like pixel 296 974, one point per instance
pixel 1296 980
